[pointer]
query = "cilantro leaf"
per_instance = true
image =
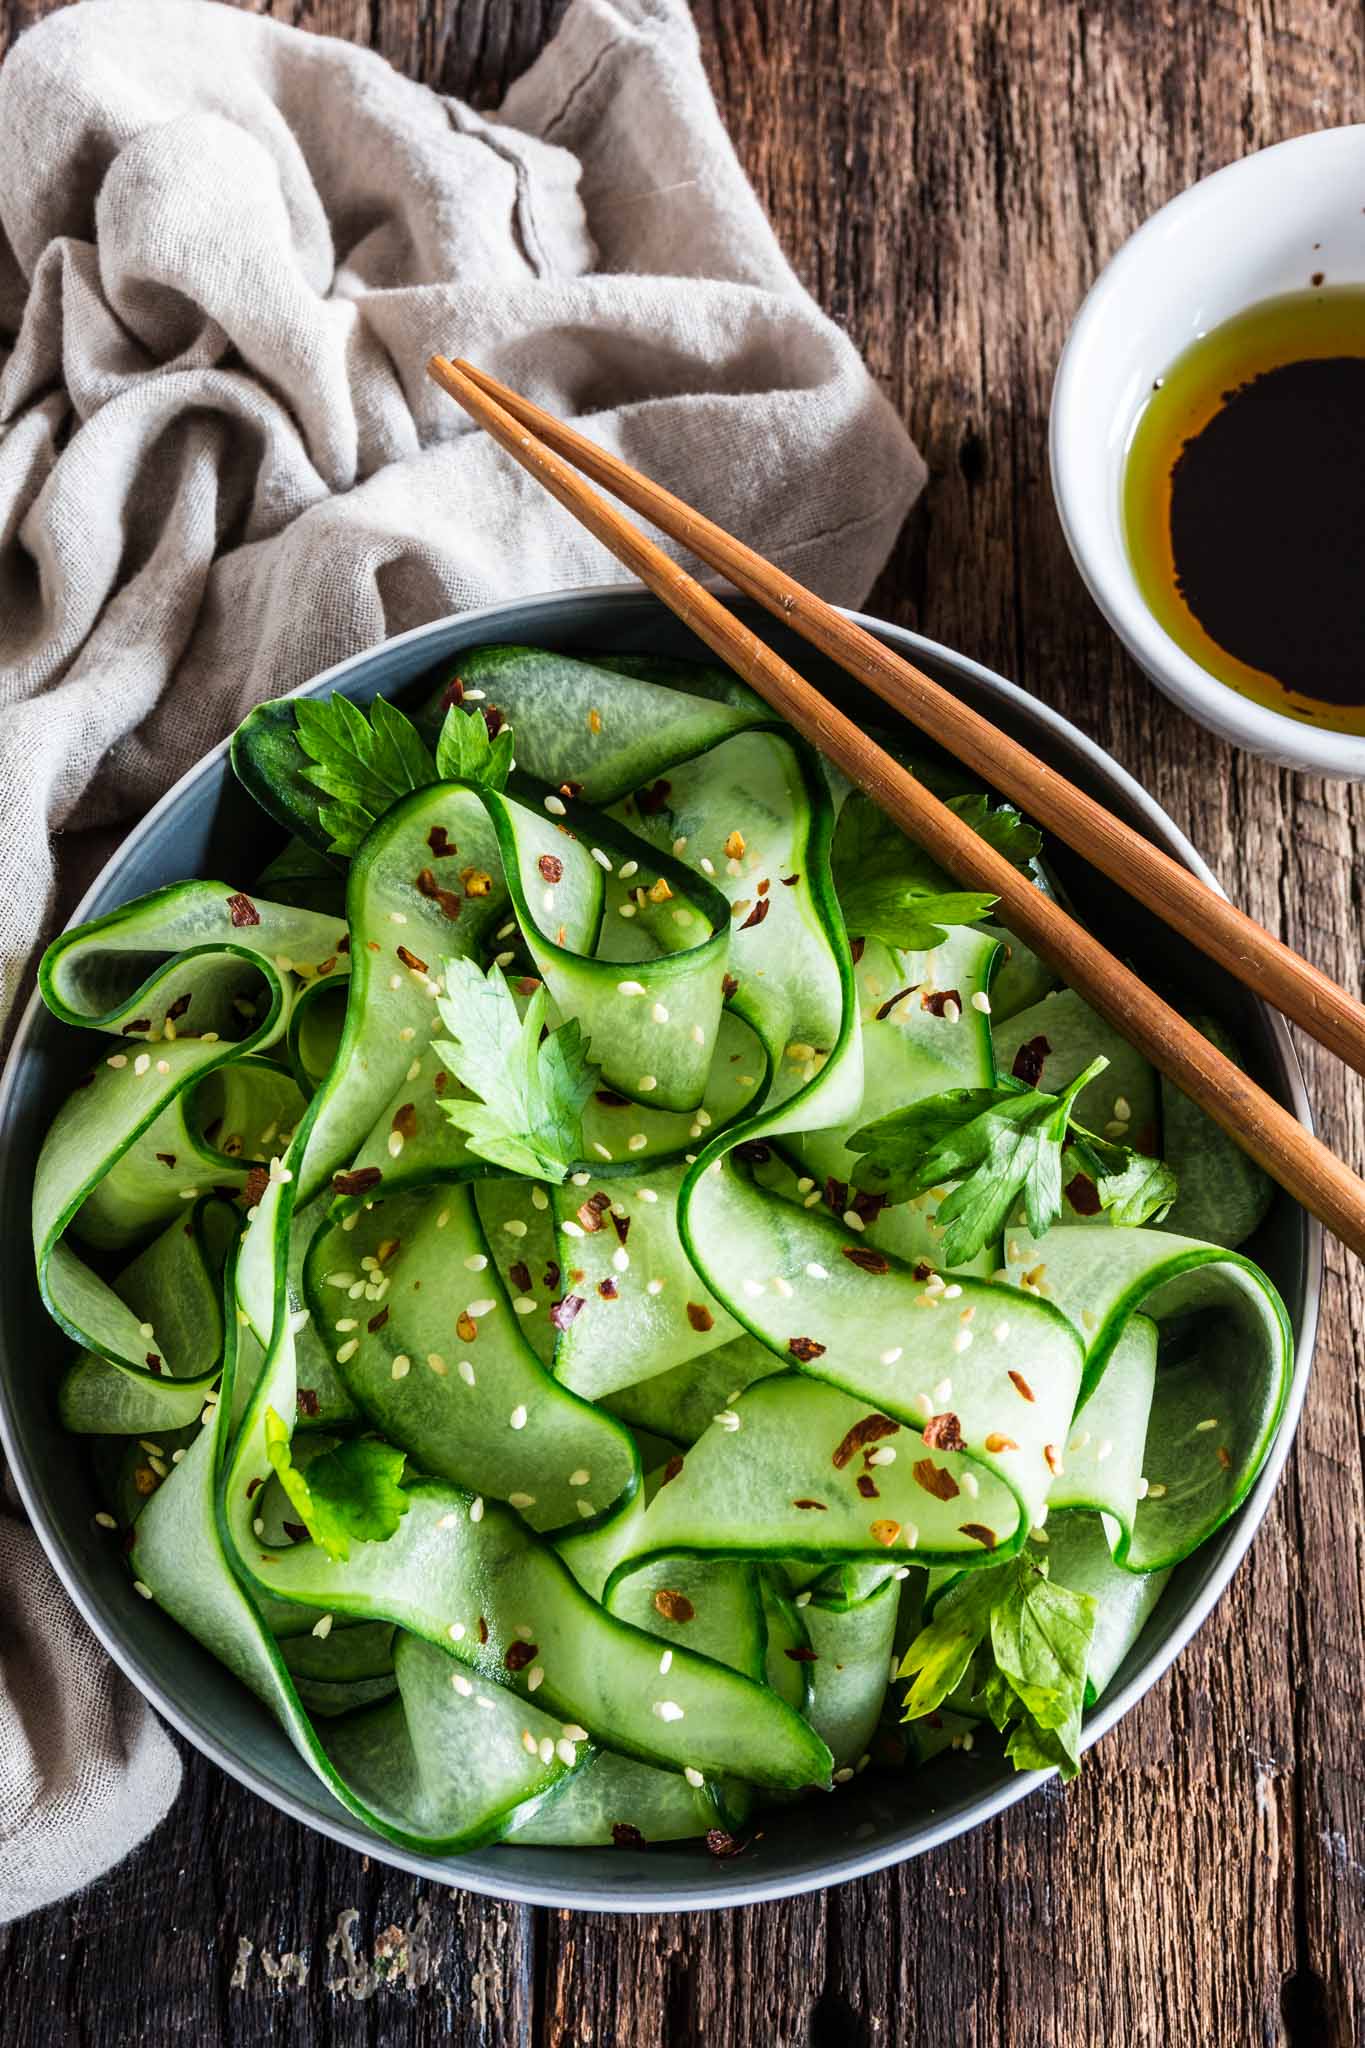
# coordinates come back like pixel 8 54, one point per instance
pixel 891 889
pixel 996 1144
pixel 1132 1186
pixel 464 752
pixel 531 1092
pixel 1020 1645
pixel 349 1493
pixel 365 764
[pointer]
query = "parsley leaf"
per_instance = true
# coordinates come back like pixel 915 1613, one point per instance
pixel 365 764
pixel 891 889
pixel 1000 1145
pixel 531 1093
pixel 348 1493
pixel 1019 1644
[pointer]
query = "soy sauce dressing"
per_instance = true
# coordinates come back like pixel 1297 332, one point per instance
pixel 1244 504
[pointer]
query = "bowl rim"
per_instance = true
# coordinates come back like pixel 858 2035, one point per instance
pixel 1104 567
pixel 633 1896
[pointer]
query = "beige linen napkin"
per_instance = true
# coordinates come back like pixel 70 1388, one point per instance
pixel 227 249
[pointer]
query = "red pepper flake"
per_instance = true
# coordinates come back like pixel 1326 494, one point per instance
pixel 411 960
pixel 867 1486
pixel 728 987
pixel 624 1836
pixel 1146 1142
pixel 1083 1195
pixel 922 1270
pixel 763 887
pixel 87 1082
pixel 944 1433
pixel 753 1153
pixel 154 1362
pixel 550 1277
pixel 449 901
pixel 610 1101
pixel 836 1194
pixel 466 1329
pixel 441 844
pixel 889 1005
pixel 295 1531
pixel 700 1316
pixel 255 1185
pixel 869 1430
pixel 866 1205
pixel 805 1348
pixel 166 1158
pixel 884 1533
pixel 563 1312
pixel 440 1081
pixel 674 1606
pixel 520 1276
pixel 865 1259
pixel 822 1506
pixel 405 1120
pixel 306 1401
pixel 1028 1061
pixel 483 1630
pixel 1052 1459
pixel 253 1485
pixel 621 1225
pixel 1225 1457
pixel 358 1182
pixel 453 694
pixel 995 1443
pixel 935 1479
pixel 938 999
pixel 979 1533
pixel 138 1024
pixel 178 1008
pixel 758 913
pixel 242 910
pixel 719 1843
pixel 551 867
pixel 1021 1385
pixel 671 1470
pixel 608 1289
pixel 653 799
pixel 570 789
pixel 377 1322
pixel 856 949
pixel 493 719
pixel 326 966
pixel 590 1212
pixel 477 881
pixel 801 1653
pixel 789 881
pixel 344 943
pixel 518 1655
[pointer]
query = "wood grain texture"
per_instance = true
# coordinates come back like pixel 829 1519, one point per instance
pixel 948 176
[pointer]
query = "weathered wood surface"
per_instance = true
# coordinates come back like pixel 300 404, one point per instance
pixel 948 175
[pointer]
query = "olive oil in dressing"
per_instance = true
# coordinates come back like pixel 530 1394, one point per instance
pixel 1244 504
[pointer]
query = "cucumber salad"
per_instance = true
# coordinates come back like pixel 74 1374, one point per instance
pixel 609 1293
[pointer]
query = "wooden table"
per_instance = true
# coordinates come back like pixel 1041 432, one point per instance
pixel 948 176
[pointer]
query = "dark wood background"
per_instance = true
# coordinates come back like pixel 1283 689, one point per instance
pixel 948 176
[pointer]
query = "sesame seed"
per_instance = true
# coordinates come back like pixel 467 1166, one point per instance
pixel 600 1150
pixel 600 858
pixel 636 1142
pixel 694 1778
pixel 887 1357
pixel 517 1419
pixel 647 1083
pixel 981 1001
pixel 528 1742
pixel 1210 1422
pixel 813 1201
pixel 407 1034
pixel 104 1521
pixel 466 1372
pixel 521 1500
pixel 514 1228
pixel 854 1220
pixel 1122 1109
pixel 554 805
pixel 667 1710
pixel 798 1052
pixel 922 1405
pixel 524 1305
pixel 142 1062
pixel 476 1509
pixel 482 1307
pixel 118 1059
pixel 1142 1489
pixel 961 1340
pixel 802 1600
pixel 910 1535
pixel 475 1263
pixel 698 1035
pixel 753 1288
pixel 1156 1492
pixel 1000 1331
pixel 546 1750
pixel 647 1194
pixel 437 1364
pixel 842 1776
pixel 462 1685
pixel 539 1198
pixel 630 988
pixel 659 1013
pixel 665 1663
pixel 163 1066
pixel 727 1419
pixel 145 1590
pixel 883 1455
pixel 782 1287
pixel 654 1287
pixel 395 1143
pixel 566 1752
pixel 322 1628
pixel 348 1350
pixel 944 1390
pixel 1103 1449
pixel 949 1293
pixel 447 1521
pixel 503 959
pixel 970 1484
pixel 258 1526
pixel 580 1180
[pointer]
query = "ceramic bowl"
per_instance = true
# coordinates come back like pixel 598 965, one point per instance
pixel 206 825
pixel 1264 225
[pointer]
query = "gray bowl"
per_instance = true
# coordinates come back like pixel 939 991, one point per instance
pixel 206 825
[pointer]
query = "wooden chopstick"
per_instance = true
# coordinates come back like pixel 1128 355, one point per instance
pixel 1265 1130
pixel 1241 946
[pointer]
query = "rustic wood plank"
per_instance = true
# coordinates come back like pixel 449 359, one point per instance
pixel 947 179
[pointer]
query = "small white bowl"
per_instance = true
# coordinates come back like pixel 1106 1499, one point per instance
pixel 1260 227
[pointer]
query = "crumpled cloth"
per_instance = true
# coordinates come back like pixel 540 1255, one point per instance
pixel 227 249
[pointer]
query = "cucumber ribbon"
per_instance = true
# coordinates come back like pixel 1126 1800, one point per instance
pixel 676 1427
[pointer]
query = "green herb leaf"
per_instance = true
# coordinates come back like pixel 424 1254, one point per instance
pixel 1021 1644
pixel 891 889
pixel 349 1493
pixel 531 1093
pixel 997 1144
pixel 464 752
pixel 1132 1187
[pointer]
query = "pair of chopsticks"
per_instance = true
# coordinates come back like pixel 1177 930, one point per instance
pixel 555 453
